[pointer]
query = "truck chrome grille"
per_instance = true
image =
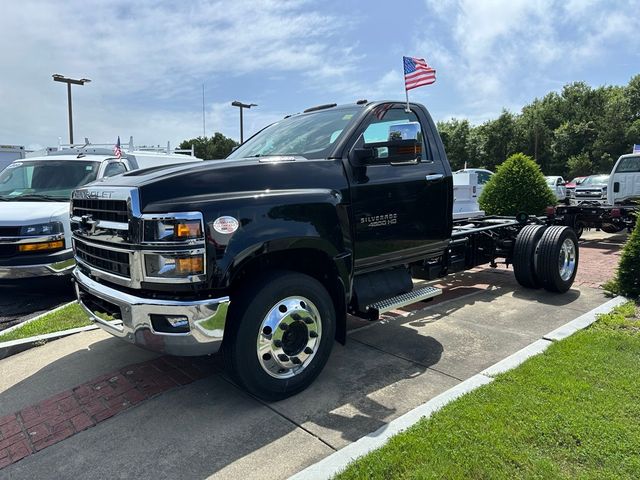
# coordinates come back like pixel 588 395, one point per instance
pixel 100 209
pixel 105 259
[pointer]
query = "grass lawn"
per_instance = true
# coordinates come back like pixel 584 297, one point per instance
pixel 572 412
pixel 71 316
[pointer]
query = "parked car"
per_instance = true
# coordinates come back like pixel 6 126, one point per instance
pixel 557 186
pixel 593 189
pixel 35 233
pixel 571 186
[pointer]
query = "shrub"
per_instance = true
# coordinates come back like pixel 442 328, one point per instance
pixel 518 186
pixel 627 279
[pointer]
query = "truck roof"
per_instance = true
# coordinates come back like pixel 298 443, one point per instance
pixel 85 158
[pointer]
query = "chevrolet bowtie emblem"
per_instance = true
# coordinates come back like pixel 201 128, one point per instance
pixel 88 224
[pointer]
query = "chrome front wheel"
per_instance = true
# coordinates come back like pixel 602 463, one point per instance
pixel 289 337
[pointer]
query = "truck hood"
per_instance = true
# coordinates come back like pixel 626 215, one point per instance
pixel 32 213
pixel 187 186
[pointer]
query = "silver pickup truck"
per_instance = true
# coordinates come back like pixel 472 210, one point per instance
pixel 35 234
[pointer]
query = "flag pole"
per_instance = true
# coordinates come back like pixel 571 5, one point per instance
pixel 406 92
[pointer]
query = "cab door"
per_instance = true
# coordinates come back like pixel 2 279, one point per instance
pixel 401 208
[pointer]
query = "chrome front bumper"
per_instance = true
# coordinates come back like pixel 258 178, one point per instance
pixel 61 266
pixel 206 318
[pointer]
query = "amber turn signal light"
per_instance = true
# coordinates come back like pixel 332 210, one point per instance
pixel 187 230
pixel 190 265
pixel 39 247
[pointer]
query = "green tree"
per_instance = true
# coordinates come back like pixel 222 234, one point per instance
pixel 579 166
pixel 211 148
pixel 518 186
pixel 455 136
pixel 627 279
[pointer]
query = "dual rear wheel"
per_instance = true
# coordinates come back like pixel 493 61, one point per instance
pixel 546 257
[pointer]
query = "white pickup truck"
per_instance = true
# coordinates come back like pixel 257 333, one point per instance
pixel 35 232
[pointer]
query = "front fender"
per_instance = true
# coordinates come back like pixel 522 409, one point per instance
pixel 277 222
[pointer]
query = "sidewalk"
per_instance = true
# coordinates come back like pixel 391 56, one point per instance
pixel 208 427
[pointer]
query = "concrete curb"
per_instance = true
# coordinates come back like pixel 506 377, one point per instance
pixel 583 321
pixel 338 461
pixel 512 361
pixel 26 322
pixel 16 346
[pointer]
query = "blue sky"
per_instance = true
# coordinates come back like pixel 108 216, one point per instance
pixel 148 60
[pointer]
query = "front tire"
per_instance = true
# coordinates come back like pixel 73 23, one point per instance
pixel 280 333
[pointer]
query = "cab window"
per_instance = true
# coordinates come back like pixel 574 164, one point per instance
pixel 382 120
pixel 629 165
pixel 115 168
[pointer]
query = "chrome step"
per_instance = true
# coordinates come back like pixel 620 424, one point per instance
pixel 403 300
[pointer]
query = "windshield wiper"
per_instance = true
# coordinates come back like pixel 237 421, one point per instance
pixel 41 198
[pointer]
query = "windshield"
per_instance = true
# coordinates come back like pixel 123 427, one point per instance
pixel 46 179
pixel 577 180
pixel 310 136
pixel 551 181
pixel 596 180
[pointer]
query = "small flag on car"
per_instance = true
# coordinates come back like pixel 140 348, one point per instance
pixel 416 74
pixel 636 148
pixel 117 150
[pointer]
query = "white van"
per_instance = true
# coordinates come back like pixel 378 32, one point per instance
pixel 35 230
pixel 624 181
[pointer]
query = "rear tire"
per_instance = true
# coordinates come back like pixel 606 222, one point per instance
pixel 557 259
pixel 280 333
pixel 524 254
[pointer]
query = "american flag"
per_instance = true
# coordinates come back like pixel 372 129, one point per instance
pixel 417 73
pixel 117 151
pixel 636 148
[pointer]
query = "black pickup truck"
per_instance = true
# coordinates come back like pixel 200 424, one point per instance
pixel 325 213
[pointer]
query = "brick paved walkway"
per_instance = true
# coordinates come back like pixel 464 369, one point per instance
pixel 67 413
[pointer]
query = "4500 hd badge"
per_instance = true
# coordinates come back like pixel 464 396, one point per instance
pixel 380 220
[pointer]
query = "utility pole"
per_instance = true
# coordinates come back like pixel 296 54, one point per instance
pixel 60 78
pixel 204 130
pixel 242 106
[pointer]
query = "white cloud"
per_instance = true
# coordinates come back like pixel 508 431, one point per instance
pixel 498 52
pixel 146 57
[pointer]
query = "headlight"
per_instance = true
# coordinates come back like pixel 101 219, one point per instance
pixel 170 265
pixel 50 228
pixel 172 230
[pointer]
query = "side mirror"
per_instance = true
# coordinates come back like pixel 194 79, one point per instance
pixel 404 131
pixel 616 187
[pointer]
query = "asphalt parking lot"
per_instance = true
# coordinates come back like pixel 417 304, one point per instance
pixel 90 405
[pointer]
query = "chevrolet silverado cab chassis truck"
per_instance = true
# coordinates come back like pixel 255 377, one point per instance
pixel 262 255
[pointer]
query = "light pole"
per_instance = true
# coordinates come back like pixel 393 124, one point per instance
pixel 241 106
pixel 60 78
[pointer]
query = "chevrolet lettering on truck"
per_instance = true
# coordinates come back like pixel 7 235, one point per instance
pixel 262 255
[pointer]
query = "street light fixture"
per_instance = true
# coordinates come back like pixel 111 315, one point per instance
pixel 60 78
pixel 242 106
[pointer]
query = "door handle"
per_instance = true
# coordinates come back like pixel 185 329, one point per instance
pixel 433 177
